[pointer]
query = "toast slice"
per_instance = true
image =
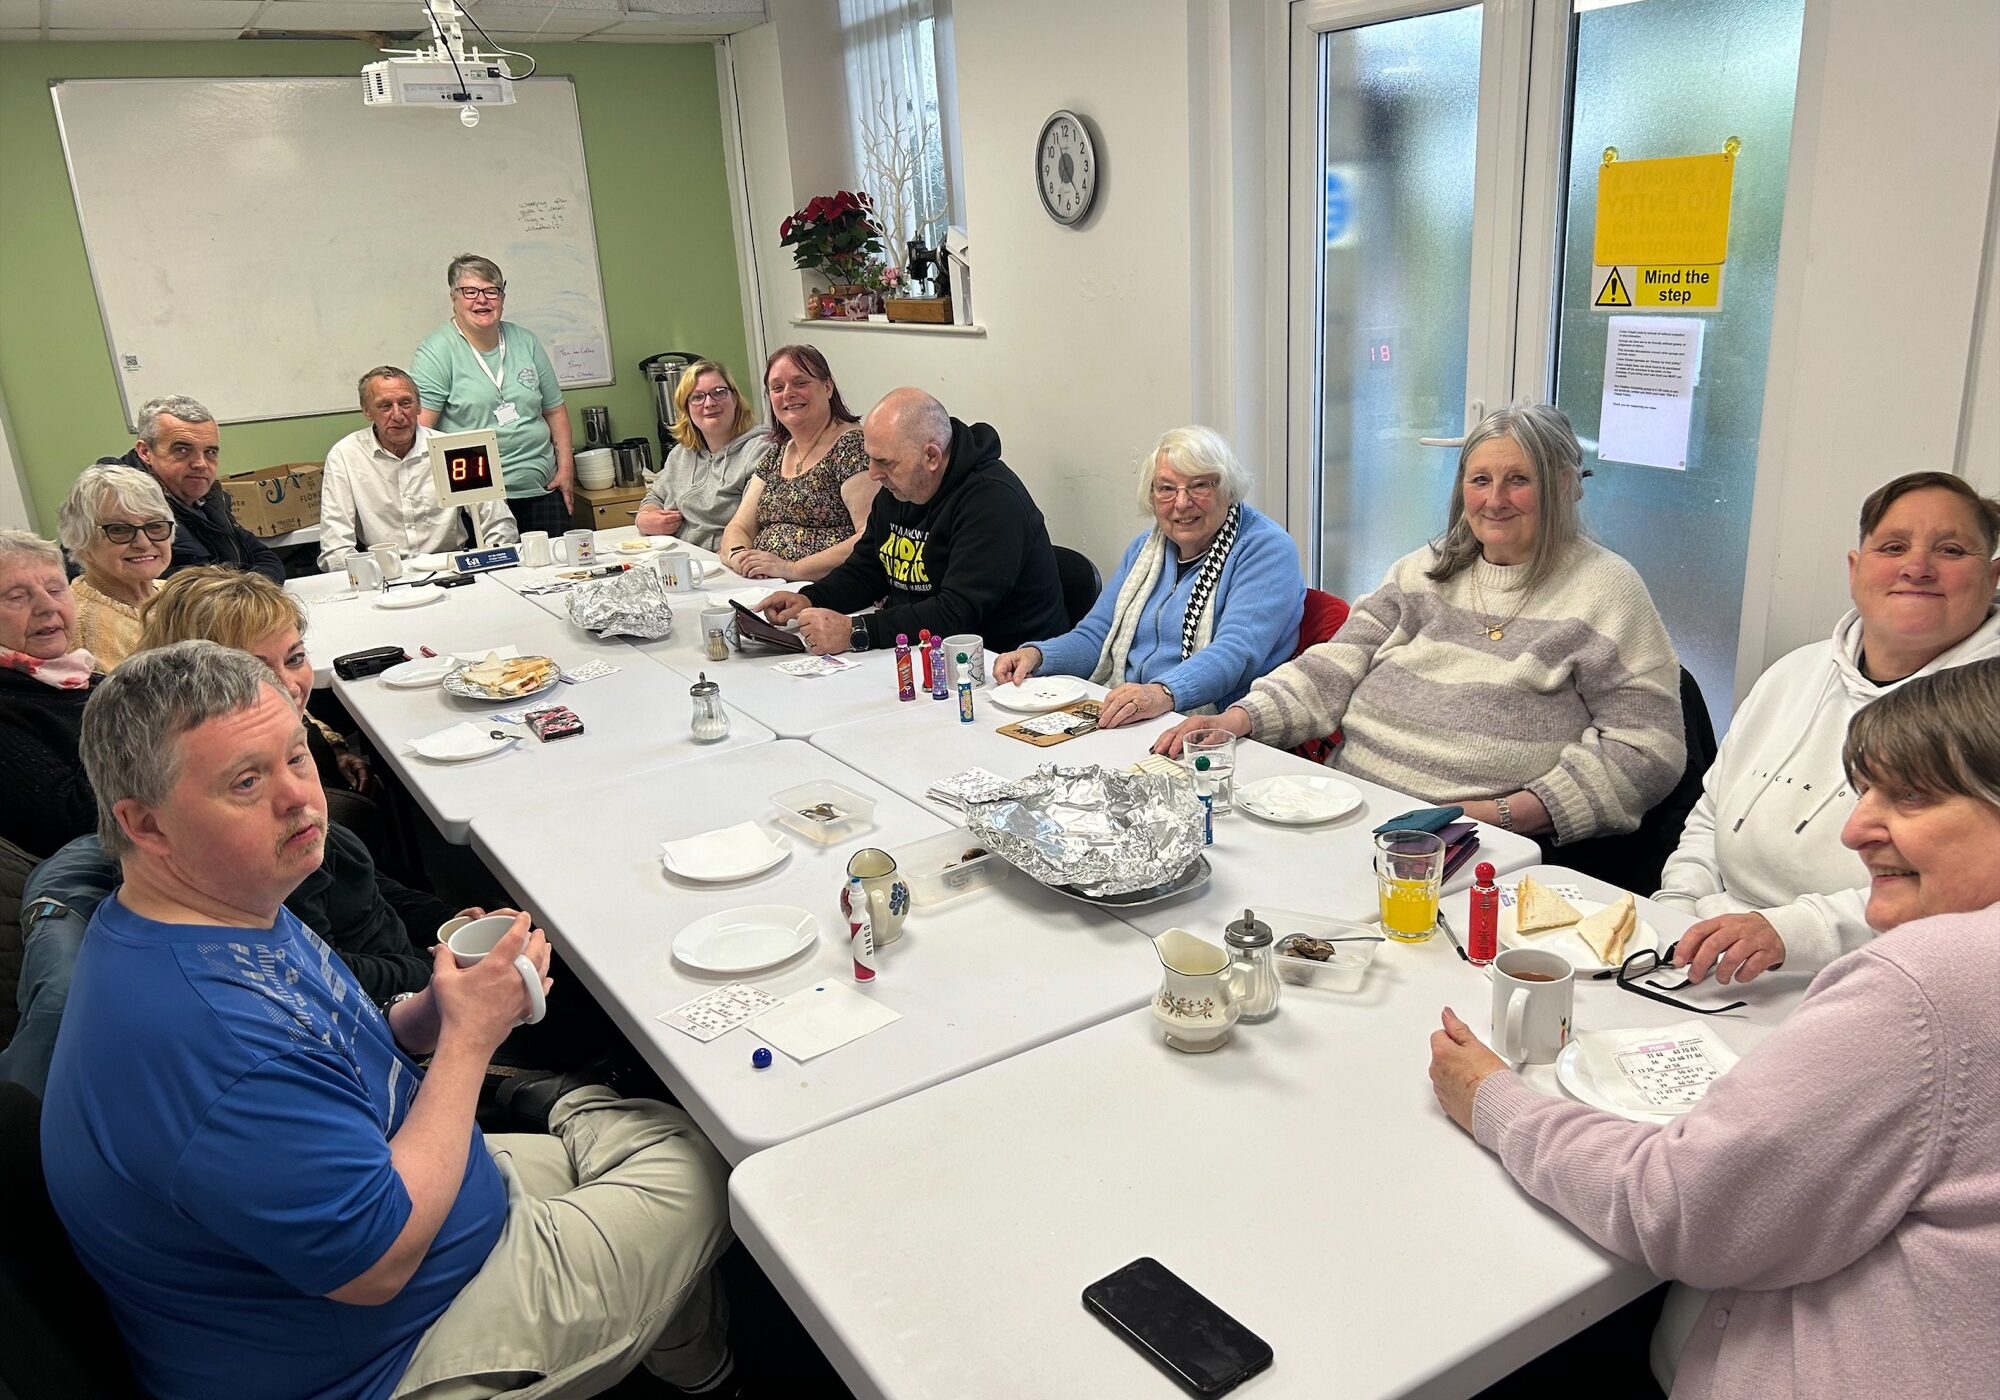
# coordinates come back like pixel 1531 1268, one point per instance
pixel 1538 909
pixel 1610 929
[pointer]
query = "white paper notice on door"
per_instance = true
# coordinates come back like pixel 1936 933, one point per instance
pixel 1651 367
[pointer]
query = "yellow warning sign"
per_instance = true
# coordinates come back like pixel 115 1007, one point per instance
pixel 1656 287
pixel 1664 211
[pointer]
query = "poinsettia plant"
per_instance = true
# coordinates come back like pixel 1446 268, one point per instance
pixel 835 234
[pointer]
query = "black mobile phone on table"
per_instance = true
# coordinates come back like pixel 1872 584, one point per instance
pixel 453 581
pixel 1202 1348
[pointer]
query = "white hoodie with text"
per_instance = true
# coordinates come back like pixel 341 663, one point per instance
pixel 1765 836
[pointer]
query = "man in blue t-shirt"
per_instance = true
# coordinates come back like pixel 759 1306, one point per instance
pixel 274 1198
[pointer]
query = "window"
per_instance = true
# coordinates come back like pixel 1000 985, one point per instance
pixel 900 90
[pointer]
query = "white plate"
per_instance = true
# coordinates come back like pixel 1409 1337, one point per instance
pixel 1565 942
pixel 1298 801
pixel 427 563
pixel 412 596
pixel 1038 695
pixel 1573 1073
pixel 730 853
pixel 749 939
pixel 421 674
pixel 461 743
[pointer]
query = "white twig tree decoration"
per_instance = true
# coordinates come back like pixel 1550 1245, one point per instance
pixel 893 156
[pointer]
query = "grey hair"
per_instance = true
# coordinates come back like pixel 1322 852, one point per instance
pixel 380 372
pixel 1934 733
pixel 1195 451
pixel 477 266
pixel 138 713
pixel 29 546
pixel 1543 434
pixel 124 488
pixel 173 405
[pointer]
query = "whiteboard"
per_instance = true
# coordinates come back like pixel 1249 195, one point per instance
pixel 260 243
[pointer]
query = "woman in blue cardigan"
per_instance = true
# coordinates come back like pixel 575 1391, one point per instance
pixel 1203 603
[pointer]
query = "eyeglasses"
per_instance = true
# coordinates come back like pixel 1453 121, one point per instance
pixel 124 532
pixel 704 395
pixel 481 293
pixel 1647 961
pixel 1200 492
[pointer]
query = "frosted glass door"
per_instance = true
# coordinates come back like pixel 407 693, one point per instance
pixel 1401 107
pixel 1732 72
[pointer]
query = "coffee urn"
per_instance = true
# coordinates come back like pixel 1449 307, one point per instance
pixel 664 372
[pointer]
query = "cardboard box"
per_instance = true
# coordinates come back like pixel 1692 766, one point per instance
pixel 275 500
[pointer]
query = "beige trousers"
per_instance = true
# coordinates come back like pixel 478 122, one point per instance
pixel 613 1221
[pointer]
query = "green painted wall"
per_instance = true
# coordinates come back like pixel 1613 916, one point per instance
pixel 652 135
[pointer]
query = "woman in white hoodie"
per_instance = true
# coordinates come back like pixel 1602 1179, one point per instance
pixel 1760 861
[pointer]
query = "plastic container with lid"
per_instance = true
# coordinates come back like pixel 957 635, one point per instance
pixel 1343 972
pixel 824 812
pixel 941 868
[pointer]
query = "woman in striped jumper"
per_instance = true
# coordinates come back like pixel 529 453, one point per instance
pixel 1512 666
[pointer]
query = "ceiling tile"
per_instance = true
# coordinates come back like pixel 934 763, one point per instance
pixel 340 16
pixel 20 14
pixel 109 35
pixel 151 14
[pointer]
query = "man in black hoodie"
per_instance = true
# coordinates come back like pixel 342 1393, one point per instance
pixel 954 544
pixel 178 443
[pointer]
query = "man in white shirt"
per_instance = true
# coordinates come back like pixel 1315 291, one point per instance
pixel 377 486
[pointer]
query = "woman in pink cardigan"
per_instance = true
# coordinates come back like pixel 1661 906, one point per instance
pixel 1840 1187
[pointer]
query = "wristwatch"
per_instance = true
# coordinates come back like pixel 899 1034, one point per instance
pixel 1506 813
pixel 1172 703
pixel 389 1005
pixel 857 635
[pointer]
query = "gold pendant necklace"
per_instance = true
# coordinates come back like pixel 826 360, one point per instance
pixel 1495 631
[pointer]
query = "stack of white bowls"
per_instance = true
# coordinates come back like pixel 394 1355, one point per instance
pixel 596 469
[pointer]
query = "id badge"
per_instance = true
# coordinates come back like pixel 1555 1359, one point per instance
pixel 506 413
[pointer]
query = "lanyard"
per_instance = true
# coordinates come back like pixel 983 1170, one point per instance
pixel 498 376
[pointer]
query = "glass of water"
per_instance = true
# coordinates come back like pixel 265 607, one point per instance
pixel 1215 779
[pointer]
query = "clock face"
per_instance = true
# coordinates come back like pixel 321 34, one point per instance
pixel 1066 167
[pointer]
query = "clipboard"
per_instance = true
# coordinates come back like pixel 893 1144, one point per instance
pixel 1086 709
pixel 752 627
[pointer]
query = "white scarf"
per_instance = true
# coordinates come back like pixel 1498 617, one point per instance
pixel 1197 625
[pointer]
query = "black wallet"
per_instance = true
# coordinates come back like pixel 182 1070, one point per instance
pixel 372 662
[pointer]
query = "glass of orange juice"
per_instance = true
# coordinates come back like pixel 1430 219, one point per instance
pixel 1409 872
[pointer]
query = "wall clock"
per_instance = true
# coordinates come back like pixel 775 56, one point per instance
pixel 1066 167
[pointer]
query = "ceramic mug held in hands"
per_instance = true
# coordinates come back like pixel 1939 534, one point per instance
pixel 470 940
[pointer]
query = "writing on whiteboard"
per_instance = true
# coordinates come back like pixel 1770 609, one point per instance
pixel 543 215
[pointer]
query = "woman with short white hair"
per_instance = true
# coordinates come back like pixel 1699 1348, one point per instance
pixel 117 526
pixel 1203 603
pixel 45 681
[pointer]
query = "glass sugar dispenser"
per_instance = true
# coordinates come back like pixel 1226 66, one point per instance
pixel 710 722
pixel 1253 977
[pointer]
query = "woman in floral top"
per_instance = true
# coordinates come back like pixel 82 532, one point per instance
pixel 805 505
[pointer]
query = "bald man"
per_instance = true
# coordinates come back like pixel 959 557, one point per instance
pixel 954 544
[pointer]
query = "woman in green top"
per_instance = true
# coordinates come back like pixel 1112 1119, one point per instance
pixel 480 371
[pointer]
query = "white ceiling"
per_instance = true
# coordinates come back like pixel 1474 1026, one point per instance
pixel 554 21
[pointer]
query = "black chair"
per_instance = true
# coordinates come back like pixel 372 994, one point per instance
pixel 1081 583
pixel 1634 860
pixel 59 1340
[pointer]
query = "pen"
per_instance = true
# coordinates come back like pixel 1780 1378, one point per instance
pixel 1445 924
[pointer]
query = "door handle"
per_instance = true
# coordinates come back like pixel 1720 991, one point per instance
pixel 1478 407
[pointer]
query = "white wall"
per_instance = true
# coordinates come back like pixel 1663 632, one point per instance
pixel 1888 218
pixel 16 511
pixel 1088 349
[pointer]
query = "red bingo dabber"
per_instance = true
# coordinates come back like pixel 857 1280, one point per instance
pixel 1482 938
pixel 924 651
pixel 860 931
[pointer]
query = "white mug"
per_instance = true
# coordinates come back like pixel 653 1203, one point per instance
pixel 364 572
pixel 1534 994
pixel 535 549
pixel 678 570
pixel 575 547
pixel 470 940
pixel 386 556
pixel 973 648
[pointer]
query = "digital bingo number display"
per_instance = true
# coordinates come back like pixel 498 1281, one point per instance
pixel 466 467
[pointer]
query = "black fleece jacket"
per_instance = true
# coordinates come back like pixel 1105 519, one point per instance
pixel 973 558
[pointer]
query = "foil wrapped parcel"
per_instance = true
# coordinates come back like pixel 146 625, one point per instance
pixel 1097 830
pixel 631 604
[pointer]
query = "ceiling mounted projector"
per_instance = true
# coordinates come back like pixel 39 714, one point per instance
pixel 446 74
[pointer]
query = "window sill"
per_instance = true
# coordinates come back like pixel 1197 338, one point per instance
pixel 916 327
